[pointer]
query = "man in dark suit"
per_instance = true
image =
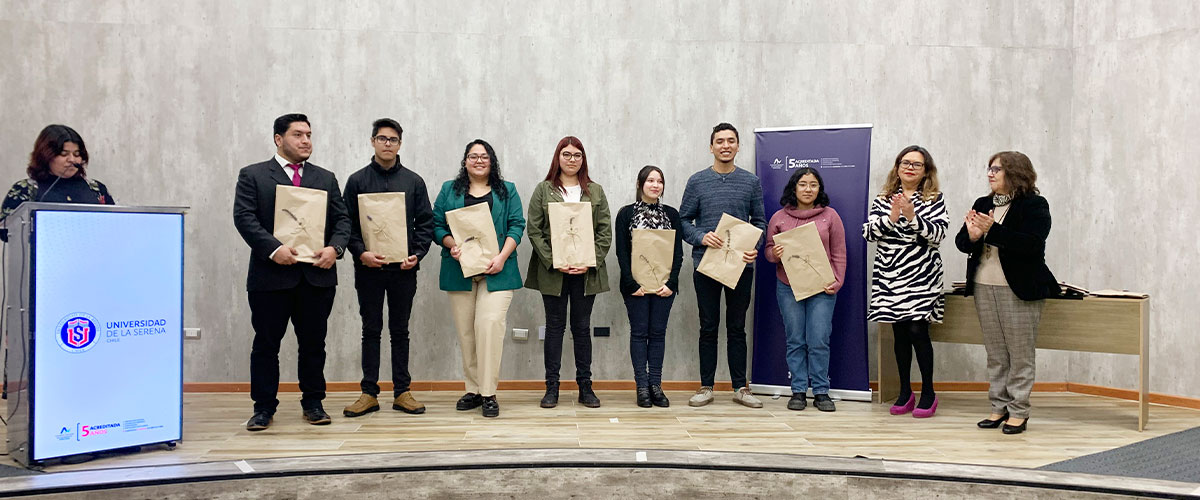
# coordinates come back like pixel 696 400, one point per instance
pixel 280 288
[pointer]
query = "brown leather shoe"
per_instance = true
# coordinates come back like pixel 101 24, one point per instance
pixel 407 404
pixel 366 404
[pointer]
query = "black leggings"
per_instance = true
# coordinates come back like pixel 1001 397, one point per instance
pixel 913 335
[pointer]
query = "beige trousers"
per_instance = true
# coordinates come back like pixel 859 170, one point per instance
pixel 480 317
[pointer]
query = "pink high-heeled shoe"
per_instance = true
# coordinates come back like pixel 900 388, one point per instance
pixel 900 410
pixel 919 413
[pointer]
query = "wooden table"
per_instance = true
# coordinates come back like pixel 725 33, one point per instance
pixel 1094 324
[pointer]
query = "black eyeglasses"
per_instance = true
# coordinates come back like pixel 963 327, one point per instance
pixel 993 170
pixel 390 141
pixel 572 156
pixel 915 165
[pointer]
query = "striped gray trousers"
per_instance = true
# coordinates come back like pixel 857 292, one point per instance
pixel 1009 327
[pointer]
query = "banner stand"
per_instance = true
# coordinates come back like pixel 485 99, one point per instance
pixel 841 154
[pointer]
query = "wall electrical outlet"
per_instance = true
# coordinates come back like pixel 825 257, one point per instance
pixel 191 333
pixel 542 332
pixel 520 334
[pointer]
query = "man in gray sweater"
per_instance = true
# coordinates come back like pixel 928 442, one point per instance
pixel 722 188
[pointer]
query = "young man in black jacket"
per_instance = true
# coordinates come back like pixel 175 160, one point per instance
pixel 374 278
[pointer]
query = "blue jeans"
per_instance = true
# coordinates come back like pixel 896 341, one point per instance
pixel 808 325
pixel 648 317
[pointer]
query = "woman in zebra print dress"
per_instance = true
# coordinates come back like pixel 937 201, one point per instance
pixel 907 223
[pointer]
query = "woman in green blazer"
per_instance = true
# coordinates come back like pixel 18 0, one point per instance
pixel 571 286
pixel 480 303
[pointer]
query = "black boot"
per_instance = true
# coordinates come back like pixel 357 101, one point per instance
pixel 643 397
pixel 586 396
pixel 658 398
pixel 550 400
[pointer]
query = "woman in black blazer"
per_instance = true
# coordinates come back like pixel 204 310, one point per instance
pixel 648 310
pixel 1004 235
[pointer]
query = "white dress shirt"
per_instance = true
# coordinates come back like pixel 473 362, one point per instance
pixel 290 173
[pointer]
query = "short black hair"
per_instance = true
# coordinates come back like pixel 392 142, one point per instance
pixel 723 126
pixel 283 123
pixel 389 123
pixel 789 191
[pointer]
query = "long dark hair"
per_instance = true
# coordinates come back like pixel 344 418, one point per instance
pixel 1018 173
pixel 462 181
pixel 50 143
pixel 643 175
pixel 789 191
pixel 556 169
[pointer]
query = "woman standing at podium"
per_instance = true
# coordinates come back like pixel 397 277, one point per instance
pixel 57 173
pixel 907 222
pixel 1004 235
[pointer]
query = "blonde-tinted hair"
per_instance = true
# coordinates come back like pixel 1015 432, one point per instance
pixel 928 186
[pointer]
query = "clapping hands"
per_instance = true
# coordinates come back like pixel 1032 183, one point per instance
pixel 978 223
pixel 901 204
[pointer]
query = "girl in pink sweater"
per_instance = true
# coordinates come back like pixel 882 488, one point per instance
pixel 808 323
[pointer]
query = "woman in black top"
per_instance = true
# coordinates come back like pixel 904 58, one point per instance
pixel 648 310
pixel 1005 235
pixel 57 174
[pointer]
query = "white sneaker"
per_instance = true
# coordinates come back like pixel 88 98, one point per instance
pixel 701 397
pixel 745 398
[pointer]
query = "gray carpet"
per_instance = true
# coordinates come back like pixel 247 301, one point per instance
pixel 11 471
pixel 1173 457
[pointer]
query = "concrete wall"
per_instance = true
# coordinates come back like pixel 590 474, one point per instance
pixel 173 98
pixel 1134 111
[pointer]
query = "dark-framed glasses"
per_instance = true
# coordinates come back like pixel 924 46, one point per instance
pixel 914 165
pixel 390 141
pixel 477 158
pixel 571 156
pixel 993 169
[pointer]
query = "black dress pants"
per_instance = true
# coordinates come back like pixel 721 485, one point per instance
pixel 580 306
pixel 398 287
pixel 737 302
pixel 307 307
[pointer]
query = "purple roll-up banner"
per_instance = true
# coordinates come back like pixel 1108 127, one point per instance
pixel 842 154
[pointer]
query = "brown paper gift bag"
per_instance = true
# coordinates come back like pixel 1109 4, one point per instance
pixel 725 264
pixel 805 261
pixel 300 220
pixel 572 238
pixel 475 234
pixel 651 257
pixel 384 223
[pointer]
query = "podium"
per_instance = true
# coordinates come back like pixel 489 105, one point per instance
pixel 93 319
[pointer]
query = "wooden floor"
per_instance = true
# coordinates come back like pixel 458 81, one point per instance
pixel 1064 425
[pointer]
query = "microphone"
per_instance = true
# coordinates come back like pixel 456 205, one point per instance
pixel 42 196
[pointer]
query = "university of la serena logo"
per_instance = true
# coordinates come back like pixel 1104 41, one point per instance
pixel 77 332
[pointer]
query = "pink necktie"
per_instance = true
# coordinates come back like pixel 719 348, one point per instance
pixel 295 173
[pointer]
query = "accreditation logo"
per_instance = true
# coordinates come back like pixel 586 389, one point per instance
pixel 77 332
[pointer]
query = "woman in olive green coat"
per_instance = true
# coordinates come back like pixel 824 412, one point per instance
pixel 569 287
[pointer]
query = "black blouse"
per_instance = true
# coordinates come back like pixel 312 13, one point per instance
pixel 76 189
